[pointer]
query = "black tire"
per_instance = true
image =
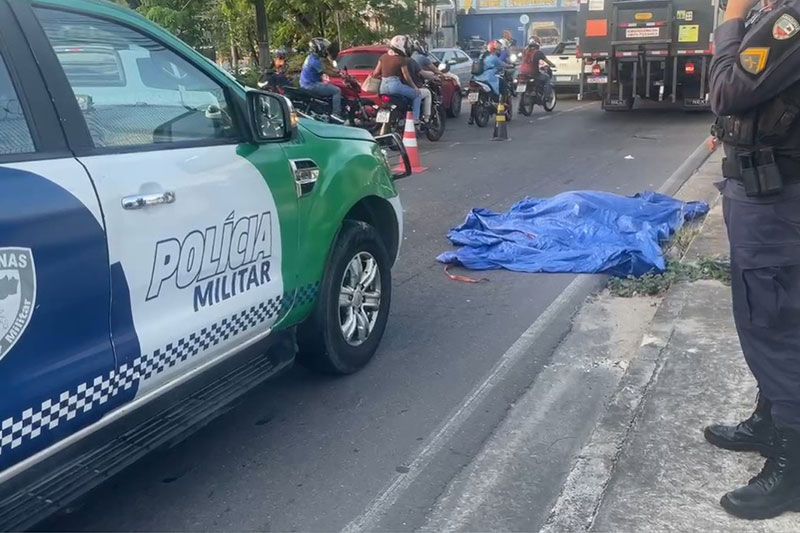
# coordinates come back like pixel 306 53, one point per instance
pixel 549 105
pixel 322 345
pixel 526 104
pixel 435 128
pixel 481 114
pixel 455 105
pixel 509 109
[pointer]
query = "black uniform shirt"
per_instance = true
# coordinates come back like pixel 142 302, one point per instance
pixel 750 67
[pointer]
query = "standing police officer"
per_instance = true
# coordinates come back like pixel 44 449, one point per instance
pixel 755 91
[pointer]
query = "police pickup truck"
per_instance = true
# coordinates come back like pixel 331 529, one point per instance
pixel 168 239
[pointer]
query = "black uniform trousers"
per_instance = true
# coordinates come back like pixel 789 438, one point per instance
pixel 764 235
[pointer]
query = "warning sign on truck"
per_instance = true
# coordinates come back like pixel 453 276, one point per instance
pixel 688 33
pixel 639 33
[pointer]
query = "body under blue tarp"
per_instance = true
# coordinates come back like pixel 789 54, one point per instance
pixel 578 231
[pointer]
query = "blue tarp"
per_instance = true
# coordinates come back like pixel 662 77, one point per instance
pixel 578 231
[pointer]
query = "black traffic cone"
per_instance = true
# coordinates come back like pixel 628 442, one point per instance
pixel 500 127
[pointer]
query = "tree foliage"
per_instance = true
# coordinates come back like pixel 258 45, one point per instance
pixel 228 24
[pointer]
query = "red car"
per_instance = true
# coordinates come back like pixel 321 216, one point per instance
pixel 360 61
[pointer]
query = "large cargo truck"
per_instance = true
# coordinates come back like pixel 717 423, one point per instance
pixel 656 50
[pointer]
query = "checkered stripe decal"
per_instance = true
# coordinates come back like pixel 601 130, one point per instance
pixel 306 294
pixel 96 392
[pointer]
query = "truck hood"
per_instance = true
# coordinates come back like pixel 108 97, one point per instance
pixel 333 131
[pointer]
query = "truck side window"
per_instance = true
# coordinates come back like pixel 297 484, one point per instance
pixel 15 137
pixel 132 90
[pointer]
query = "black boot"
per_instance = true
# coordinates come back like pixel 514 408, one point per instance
pixel 755 434
pixel 777 488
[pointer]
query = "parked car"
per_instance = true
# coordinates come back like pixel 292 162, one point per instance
pixel 360 61
pixel 568 65
pixel 458 62
pixel 474 47
pixel 168 238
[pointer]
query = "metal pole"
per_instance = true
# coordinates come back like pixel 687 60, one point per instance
pixel 620 95
pixel 647 79
pixel 635 77
pixel 703 74
pixel 580 78
pixel 674 78
pixel 262 34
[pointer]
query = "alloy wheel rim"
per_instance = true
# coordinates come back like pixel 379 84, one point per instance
pixel 359 298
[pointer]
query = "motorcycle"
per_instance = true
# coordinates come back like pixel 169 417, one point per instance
pixel 532 93
pixel 311 105
pixel 358 111
pixel 393 109
pixel 483 100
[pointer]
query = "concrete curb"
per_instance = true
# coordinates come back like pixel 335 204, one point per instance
pixel 584 489
pixel 689 167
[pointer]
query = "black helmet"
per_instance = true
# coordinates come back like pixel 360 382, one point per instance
pixel 319 46
pixel 420 46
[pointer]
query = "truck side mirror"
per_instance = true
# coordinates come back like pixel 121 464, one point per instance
pixel 271 116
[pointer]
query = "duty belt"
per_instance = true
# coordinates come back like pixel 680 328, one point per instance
pixel 789 167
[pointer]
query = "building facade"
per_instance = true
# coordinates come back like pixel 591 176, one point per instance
pixel 551 20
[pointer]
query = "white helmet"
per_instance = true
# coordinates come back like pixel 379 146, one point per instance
pixel 505 43
pixel 399 44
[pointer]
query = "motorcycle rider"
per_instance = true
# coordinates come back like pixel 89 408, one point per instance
pixel 393 71
pixel 492 74
pixel 505 52
pixel 531 62
pixel 421 68
pixel 311 75
pixel 280 61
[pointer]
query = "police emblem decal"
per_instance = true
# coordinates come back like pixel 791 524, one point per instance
pixel 753 60
pixel 785 27
pixel 17 295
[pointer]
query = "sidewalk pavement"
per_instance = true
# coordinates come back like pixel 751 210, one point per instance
pixel 646 466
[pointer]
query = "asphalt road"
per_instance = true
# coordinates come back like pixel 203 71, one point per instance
pixel 311 453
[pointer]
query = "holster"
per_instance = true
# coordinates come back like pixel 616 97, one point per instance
pixel 760 143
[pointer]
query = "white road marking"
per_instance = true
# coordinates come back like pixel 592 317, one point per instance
pixel 378 507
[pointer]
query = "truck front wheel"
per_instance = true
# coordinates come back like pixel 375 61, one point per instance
pixel 347 324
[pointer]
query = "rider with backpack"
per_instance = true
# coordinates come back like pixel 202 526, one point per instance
pixel 531 63
pixel 489 69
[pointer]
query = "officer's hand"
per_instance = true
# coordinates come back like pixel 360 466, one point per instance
pixel 739 9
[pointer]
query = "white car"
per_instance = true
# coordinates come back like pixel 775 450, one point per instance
pixel 568 65
pixel 459 62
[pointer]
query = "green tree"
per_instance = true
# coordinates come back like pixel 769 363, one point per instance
pixel 184 18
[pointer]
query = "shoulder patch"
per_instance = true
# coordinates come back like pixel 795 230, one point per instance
pixel 754 59
pixel 785 27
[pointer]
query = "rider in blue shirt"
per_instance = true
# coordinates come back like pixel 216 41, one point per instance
pixel 493 67
pixel 311 75
pixel 505 52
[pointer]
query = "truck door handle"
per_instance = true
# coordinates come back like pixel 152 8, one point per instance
pixel 139 201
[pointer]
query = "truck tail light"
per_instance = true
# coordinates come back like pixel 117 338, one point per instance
pixel 689 67
pixel 596 70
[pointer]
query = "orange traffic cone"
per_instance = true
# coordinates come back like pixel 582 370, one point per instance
pixel 410 142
